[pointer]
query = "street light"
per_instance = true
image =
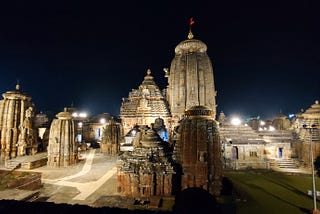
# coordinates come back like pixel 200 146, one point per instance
pixel 311 129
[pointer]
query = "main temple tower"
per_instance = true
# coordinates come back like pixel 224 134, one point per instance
pixel 190 78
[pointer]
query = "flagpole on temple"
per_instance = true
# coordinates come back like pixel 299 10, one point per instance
pixel 191 22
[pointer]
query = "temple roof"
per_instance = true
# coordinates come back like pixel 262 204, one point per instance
pixel 145 101
pixel 240 134
pixel 16 94
pixel 190 45
pixel 64 115
pixel 313 111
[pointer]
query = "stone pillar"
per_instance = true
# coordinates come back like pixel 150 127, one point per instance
pixel 62 148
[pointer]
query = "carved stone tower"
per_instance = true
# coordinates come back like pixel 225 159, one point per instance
pixel 144 105
pixel 17 135
pixel 148 170
pixel 199 151
pixel 62 148
pixel 190 79
pixel 110 140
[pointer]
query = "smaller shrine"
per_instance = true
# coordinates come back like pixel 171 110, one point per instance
pixel 18 136
pixel 148 170
pixel 62 148
pixel 308 129
pixel 110 140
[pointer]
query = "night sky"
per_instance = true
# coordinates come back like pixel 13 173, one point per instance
pixel 265 53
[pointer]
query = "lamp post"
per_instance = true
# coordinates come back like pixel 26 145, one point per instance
pixel 311 129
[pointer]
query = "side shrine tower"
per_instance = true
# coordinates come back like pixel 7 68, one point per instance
pixel 190 79
pixel 62 148
pixel 18 137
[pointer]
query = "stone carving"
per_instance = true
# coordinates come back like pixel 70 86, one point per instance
pixel 27 141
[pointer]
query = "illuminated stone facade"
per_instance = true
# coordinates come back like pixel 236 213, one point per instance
pixel 311 117
pixel 148 170
pixel 62 148
pixel 144 105
pixel 244 147
pixel 190 79
pixel 199 151
pixel 111 136
pixel 17 133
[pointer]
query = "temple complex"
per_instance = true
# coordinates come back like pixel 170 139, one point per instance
pixel 17 132
pixel 190 79
pixel 148 170
pixel 62 148
pixel 199 151
pixel 144 105
pixel 166 142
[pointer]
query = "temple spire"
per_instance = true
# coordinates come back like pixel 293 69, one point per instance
pixel 191 22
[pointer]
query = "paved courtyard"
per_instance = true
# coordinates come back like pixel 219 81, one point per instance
pixel 91 180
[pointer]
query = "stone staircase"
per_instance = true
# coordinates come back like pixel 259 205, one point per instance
pixel 286 163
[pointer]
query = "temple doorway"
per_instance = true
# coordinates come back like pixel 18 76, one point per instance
pixel 280 152
pixel 235 153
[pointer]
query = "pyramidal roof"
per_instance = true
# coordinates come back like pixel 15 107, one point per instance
pixel 147 100
pixel 313 111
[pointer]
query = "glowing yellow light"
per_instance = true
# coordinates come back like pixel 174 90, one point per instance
pixel 102 121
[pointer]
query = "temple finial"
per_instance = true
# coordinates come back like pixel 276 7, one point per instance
pixel 18 85
pixel 148 71
pixel 191 22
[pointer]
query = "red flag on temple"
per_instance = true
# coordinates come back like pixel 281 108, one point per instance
pixel 191 22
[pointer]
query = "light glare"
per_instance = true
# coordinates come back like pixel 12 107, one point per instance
pixel 235 121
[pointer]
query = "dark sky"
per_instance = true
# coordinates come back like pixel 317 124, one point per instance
pixel 92 53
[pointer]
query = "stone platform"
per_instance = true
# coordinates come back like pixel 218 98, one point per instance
pixel 26 162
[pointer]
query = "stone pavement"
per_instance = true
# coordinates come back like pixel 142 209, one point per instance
pixel 84 183
pixel 85 188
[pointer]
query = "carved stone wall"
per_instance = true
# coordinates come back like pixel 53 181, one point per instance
pixel 199 151
pixel 62 148
pixel 110 141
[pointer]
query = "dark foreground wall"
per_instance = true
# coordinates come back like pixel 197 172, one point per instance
pixel 11 206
